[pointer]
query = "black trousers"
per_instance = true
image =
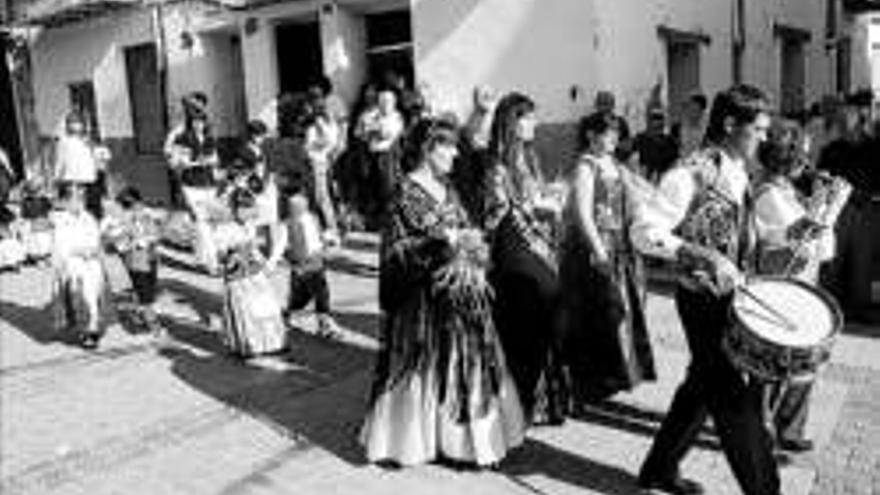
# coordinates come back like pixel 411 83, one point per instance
pixel 144 283
pixel 713 387
pixel 786 409
pixel 308 285
pixel 526 310
pixel 175 189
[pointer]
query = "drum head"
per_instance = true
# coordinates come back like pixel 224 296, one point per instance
pixel 790 313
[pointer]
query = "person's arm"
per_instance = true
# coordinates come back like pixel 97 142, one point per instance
pixel 497 201
pixel 652 233
pixel 279 246
pixel 656 218
pixel 584 206
pixel 60 165
pixel 775 215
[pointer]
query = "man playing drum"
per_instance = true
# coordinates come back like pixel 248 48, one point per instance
pixel 706 230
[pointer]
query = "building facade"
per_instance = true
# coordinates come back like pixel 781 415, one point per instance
pixel 126 67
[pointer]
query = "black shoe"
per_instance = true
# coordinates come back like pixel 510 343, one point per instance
pixel 795 444
pixel 673 486
pixel 89 342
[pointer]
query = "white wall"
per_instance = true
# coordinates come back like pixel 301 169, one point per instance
pixel 205 66
pixel 632 55
pixel 545 47
pixel 763 56
pixel 93 51
pixel 260 56
pixel 541 48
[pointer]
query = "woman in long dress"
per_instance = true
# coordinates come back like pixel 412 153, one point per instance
pixel 606 340
pixel 441 389
pixel 252 323
pixel 524 273
pixel 79 282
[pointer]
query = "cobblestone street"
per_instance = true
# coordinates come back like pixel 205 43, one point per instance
pixel 178 416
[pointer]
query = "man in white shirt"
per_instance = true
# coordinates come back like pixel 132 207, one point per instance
pixel 706 230
pixel 76 164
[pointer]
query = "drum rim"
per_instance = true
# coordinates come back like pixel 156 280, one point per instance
pixel 836 311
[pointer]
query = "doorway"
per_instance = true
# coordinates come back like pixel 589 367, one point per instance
pixel 145 96
pixel 9 137
pixel 792 76
pixel 683 72
pixel 300 60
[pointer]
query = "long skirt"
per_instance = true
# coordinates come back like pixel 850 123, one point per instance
pixel 198 200
pixel 526 312
pixel 606 342
pixel 444 407
pixel 79 295
pixel 252 317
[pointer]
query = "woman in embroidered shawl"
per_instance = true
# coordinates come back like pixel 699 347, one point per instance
pixel 607 348
pixel 441 390
pixel 524 274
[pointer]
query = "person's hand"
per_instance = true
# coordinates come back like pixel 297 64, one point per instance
pixel 804 229
pixel 452 235
pixel 726 275
pixel 331 238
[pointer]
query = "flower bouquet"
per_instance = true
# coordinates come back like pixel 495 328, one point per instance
pixel 463 277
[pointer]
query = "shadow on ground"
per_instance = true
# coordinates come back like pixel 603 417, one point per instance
pixel 632 419
pixel 314 394
pixel 536 458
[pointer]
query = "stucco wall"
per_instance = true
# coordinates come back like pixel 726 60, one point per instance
pixel 763 51
pixel 93 51
pixel 260 56
pixel 538 47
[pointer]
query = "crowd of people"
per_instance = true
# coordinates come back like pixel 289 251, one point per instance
pixel 510 298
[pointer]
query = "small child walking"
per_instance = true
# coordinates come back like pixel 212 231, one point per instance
pixel 308 277
pixel 134 233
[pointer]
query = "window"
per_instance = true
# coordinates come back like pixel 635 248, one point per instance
pixel 389 45
pixel 792 65
pixel 82 102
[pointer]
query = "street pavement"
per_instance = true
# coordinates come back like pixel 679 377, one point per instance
pixel 177 415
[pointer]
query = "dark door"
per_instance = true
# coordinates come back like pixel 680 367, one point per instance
pixel 9 138
pixel 792 77
pixel 683 69
pixel 147 108
pixel 82 101
pixel 300 62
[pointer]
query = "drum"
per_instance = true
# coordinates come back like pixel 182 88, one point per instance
pixel 781 328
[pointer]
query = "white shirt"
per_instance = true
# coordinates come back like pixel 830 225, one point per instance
pixel 656 218
pixel 776 209
pixel 322 139
pixel 74 161
pixel 74 235
pixel 382 129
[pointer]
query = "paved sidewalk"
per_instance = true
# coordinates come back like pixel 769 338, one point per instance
pixel 178 416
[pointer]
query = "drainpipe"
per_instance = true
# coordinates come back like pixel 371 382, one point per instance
pixel 158 25
pixel 739 39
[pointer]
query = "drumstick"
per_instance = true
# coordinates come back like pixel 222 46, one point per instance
pixel 789 325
